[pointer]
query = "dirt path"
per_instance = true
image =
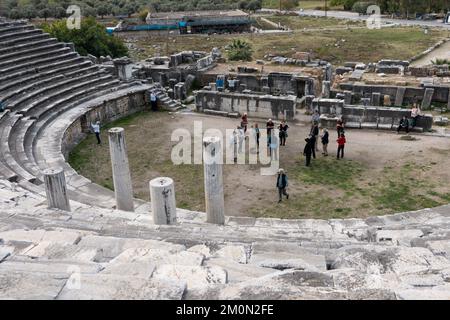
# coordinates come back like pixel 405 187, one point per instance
pixel 443 52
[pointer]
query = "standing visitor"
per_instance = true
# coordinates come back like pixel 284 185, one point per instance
pixel 340 127
pixel 96 129
pixel 257 135
pixel 273 146
pixel 315 117
pixel 282 183
pixel 283 132
pixel 325 140
pixel 269 125
pixel 307 151
pixel 312 141
pixel 234 144
pixel 241 137
pixel 341 144
pixel 315 133
pixel 244 122
pixel 154 101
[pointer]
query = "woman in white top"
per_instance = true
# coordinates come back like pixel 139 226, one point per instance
pixel 415 114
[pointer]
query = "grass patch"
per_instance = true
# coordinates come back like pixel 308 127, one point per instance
pixel 352 45
pixel 329 172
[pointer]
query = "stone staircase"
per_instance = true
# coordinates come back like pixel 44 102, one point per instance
pixel 166 102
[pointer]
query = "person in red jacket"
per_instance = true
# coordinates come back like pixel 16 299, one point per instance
pixel 341 144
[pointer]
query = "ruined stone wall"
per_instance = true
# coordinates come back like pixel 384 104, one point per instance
pixel 440 95
pixel 366 116
pixel 106 112
pixel 260 106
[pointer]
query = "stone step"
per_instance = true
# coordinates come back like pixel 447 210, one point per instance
pixel 22 39
pixel 20 32
pixel 42 76
pixel 78 97
pixel 34 130
pixel 6 123
pixel 82 85
pixel 59 81
pixel 37 63
pixel 28 45
pixel 7 155
pixel 17 75
pixel 37 49
pixel 36 81
pixel 26 285
pixel 29 61
pixel 8 27
pixel 91 86
pixel 114 287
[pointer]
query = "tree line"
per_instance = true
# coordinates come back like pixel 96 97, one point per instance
pixel 399 7
pixel 28 9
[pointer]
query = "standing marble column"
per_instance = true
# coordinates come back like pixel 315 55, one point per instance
pixel 212 164
pixel 121 170
pixel 56 189
pixel 162 196
pixel 326 88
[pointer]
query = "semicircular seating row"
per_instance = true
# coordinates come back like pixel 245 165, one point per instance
pixel 44 87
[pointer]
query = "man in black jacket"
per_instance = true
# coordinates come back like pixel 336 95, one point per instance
pixel 308 151
pixel 404 124
pixel 282 183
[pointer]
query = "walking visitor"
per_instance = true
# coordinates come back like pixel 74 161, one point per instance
pixel 282 183
pixel 325 139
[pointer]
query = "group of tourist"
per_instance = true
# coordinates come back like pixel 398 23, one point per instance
pixel 240 134
pixel 311 145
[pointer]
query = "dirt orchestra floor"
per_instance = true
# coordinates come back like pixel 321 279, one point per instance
pixel 381 172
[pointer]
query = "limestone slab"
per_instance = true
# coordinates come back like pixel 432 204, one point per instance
pixel 235 253
pixel 113 246
pixel 113 287
pixel 5 251
pixel 193 275
pixel 24 286
pixel 159 257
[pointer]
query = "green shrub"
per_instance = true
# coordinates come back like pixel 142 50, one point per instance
pixel 240 50
pixel 91 38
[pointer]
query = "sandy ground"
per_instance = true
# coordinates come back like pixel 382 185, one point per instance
pixel 246 188
pixel 379 158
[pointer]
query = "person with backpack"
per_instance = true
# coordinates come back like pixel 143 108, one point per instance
pixel 282 183
pixel 341 145
pixel 325 140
